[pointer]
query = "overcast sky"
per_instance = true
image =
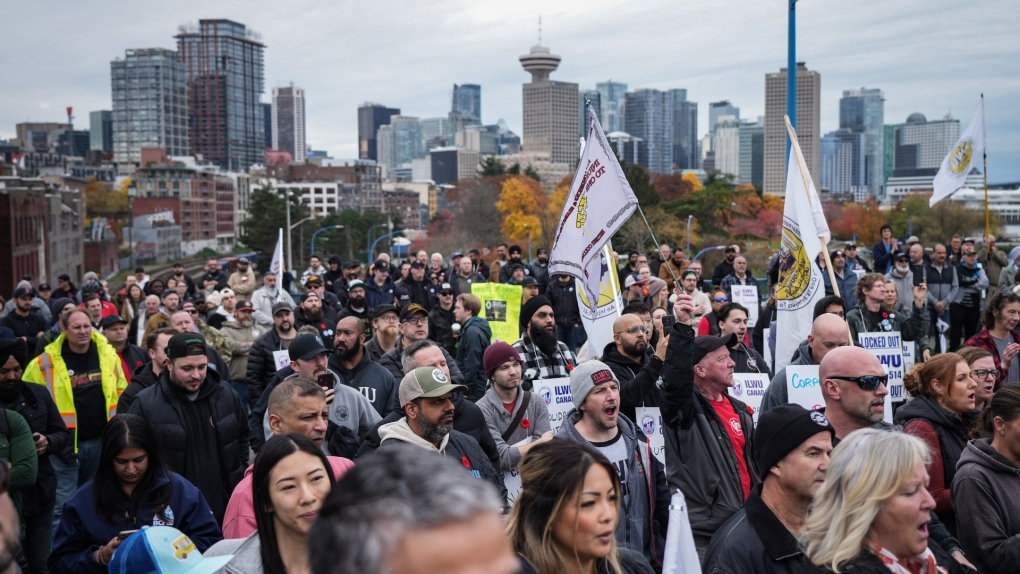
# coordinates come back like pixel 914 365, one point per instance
pixel 930 56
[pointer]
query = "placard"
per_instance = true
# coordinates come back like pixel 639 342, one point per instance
pixel 747 295
pixel 558 399
pixel 649 420
pixel 512 479
pixel 501 307
pixel 888 347
pixel 282 359
pixel 750 389
pixel 804 387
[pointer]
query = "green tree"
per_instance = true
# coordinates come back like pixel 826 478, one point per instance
pixel 492 167
pixel 712 207
pixel 349 242
pixel 266 217
pixel 532 173
pixel 641 182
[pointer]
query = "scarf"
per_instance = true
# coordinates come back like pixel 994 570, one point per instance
pixel 923 563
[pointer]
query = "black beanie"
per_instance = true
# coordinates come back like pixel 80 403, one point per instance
pixel 781 430
pixel 529 309
pixel 13 348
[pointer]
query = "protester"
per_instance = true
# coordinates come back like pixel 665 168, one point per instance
pixel 869 316
pixel 291 479
pixel 384 329
pixel 983 372
pixel 18 458
pixel 709 324
pixel 965 309
pixel 179 407
pixel 702 305
pixel 351 363
pixel 266 297
pixel 635 364
pixel 26 322
pixel 515 261
pixel 1006 281
pixel 161 320
pixel 999 335
pixel 225 311
pixel 416 287
pixel 542 355
pixel 268 353
pixel 872 511
pixel 414 327
pixel 885 250
pixel 671 270
pixel 846 280
pixel 567 512
pixel 295 406
pixel 943 283
pixel 58 307
pixel 240 335
pixel 242 281
pixel 903 278
pixel 441 319
pixel 329 300
pixel 985 486
pixel 941 414
pixel 187 321
pixel 147 374
pixel 792 451
pixel 357 307
pixel 725 267
pixel 732 318
pixel 475 336
pixel 828 332
pixel 133 487
pixel 379 289
pixel 314 268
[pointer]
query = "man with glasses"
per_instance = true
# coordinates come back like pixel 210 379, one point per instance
pixel 414 327
pixel 828 332
pixel 441 318
pixel 268 354
pixel 709 325
pixel 636 365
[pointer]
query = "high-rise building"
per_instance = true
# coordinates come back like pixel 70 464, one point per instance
pixel 223 63
pixel 727 145
pixel 843 161
pixel 101 131
pixel 889 155
pixel 863 111
pixel 752 153
pixel 434 132
pixel 267 122
pixel 150 104
pixel 289 122
pixel 626 146
pixel 611 96
pixel 370 118
pixel 467 104
pixel 399 142
pixel 685 131
pixel 550 109
pixel 717 110
pixel 809 106
pixel 649 116
pixel 595 97
pixel 919 145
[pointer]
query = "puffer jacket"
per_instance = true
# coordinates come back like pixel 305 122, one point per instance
pixel 564 303
pixel 912 328
pixel 441 328
pixel 141 379
pixel 984 497
pixel 638 382
pixel 261 365
pixel 700 461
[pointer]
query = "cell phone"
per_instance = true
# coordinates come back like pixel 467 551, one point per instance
pixel 325 381
pixel 125 533
pixel 918 272
pixel 667 322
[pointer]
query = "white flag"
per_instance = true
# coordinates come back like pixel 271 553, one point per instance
pixel 801 283
pixel 599 203
pixel 598 321
pixel 277 267
pixel 961 159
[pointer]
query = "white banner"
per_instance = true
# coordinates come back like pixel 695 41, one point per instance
pixel 649 420
pixel 598 323
pixel 888 347
pixel 512 478
pixel 961 159
pixel 599 203
pixel 750 388
pixel 747 295
pixel 276 266
pixel 558 399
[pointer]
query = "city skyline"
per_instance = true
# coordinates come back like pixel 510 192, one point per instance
pixel 942 64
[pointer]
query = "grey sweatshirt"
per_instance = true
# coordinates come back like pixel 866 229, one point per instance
pixel 349 409
pixel 498 419
pixel 984 496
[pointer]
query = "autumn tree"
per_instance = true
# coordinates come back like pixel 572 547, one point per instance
pixel 668 229
pixel 863 220
pixel 711 206
pixel 523 203
pixel 641 184
pixel 912 216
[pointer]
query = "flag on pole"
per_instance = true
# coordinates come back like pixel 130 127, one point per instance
pixel 277 267
pixel 805 233
pixel 598 319
pixel 963 157
pixel 599 203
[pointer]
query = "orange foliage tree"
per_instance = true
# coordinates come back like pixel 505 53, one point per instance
pixel 523 204
pixel 861 219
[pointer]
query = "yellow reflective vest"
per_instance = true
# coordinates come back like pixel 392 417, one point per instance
pixel 49 369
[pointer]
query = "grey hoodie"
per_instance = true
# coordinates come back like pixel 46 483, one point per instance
pixel 904 288
pixel 247 554
pixel 984 495
pixel 777 393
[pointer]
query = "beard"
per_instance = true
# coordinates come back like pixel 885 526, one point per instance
pixel 545 340
pixel 434 431
pixel 351 352
pixel 7 395
pixel 635 350
pixel 313 314
pixel 357 302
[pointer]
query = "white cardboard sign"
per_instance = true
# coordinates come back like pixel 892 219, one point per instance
pixel 649 420
pixel 750 388
pixel 888 347
pixel 747 295
pixel 558 399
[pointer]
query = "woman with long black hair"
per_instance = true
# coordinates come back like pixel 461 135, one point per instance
pixel 292 479
pixel 132 488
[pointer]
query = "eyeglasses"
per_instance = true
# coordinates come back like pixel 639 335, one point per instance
pixel 721 299
pixel 193 311
pixel 446 294
pixel 975 374
pixel 418 321
pixel 867 382
pixel 388 318
pixel 634 330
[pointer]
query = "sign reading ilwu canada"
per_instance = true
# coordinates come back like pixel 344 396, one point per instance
pixel 501 307
pixel 558 399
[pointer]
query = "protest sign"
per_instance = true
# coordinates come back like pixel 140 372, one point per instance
pixel 512 479
pixel 909 355
pixel 558 399
pixel 750 388
pixel 501 307
pixel 747 295
pixel 888 347
pixel 281 359
pixel 803 386
pixel 649 420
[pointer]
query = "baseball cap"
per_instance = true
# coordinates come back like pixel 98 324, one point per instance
pixel 163 550
pixel 381 264
pixel 913 239
pixel 838 253
pixel 356 284
pixel 244 305
pixel 306 347
pixel 282 306
pixel 384 308
pixel 313 279
pixel 409 311
pixel 850 245
pixel 112 319
pixel 901 256
pixel 417 264
pixel 352 264
pixel 243 260
pixel 198 297
pixel 529 281
pixel 444 287
pixel 23 292
pixel 177 346
pixel 45 287
pixel 706 344
pixel 633 279
pixel 308 295
pixel 428 382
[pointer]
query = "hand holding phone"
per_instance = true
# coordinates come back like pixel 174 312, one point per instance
pixel 125 533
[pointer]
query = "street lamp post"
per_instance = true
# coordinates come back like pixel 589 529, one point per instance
pixel 327 228
pixel 371 250
pixel 689 218
pixel 131 191
pixel 791 72
pixel 368 236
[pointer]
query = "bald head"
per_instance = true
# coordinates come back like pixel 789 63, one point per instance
pixel 849 361
pixel 828 332
pixel 353 324
pixel 624 322
pixel 850 405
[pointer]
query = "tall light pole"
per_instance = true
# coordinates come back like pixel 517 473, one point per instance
pixel 689 218
pixel 290 256
pixel 791 72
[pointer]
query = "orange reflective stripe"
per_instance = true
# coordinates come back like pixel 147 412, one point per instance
pixel 112 412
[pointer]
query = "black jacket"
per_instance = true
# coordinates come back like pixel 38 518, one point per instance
pixel 369 378
pixel 141 379
pixel 391 361
pixel 34 403
pixel 441 328
pixel 261 365
pixel 631 562
pixel 419 292
pixel 324 325
pixel 364 316
pixel 28 327
pixel 638 382
pixel 134 357
pixel 755 540
pixel 564 303
pixel 867 563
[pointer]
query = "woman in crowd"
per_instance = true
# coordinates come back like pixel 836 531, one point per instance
pixel 134 302
pixel 658 294
pixel 292 479
pixel 644 272
pixel 986 486
pixel 941 414
pixel 657 315
pixel 564 520
pixel 872 511
pixel 984 373
pixel 999 336
pixel 709 324
pixel 132 488
pixel 733 321
pixel 156 287
pixel 892 299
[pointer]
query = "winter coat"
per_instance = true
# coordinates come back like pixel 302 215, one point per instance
pixel 847 285
pixel 498 420
pixel 700 460
pixel 364 316
pixel 18 448
pixel 376 295
pixel 36 406
pixel 142 378
pixel 638 381
pixel 420 292
pixel 984 340
pixel 642 526
pixel 564 303
pixel 31 327
pixel 985 498
pixel 324 325
pixel 942 285
pixel 867 563
pixel 261 364
pixel 535 365
pixel 972 281
pixel 993 263
pixel 240 340
pixel 242 284
pixel 912 328
pixel 1007 278
pixel 755 540
pixel 369 378
pixel 392 362
pixel 441 328
pixel 946 435
pixel 904 287
pixel 882 255
pixel 777 393
pixel 463 284
pixel 262 300
pixel 81 531
pixel 631 562
pixel 475 336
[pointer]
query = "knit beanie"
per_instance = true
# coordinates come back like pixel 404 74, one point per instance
pixel 495 355
pixel 781 430
pixel 586 377
pixel 529 309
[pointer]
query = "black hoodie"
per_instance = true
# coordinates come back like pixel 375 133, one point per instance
pixel 142 378
pixel 638 382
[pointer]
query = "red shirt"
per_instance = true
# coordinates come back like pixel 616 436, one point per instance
pixel 735 430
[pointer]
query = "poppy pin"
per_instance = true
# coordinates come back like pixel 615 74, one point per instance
pixel 465 462
pixel 525 423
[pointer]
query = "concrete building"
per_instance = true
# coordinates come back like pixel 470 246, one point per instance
pixel 863 111
pixel 752 153
pixel 611 98
pixel 808 125
pixel 453 164
pixel 919 145
pixel 727 146
pixel 288 123
pixel 370 118
pixel 197 198
pixel 156 238
pixel 550 173
pixel 649 116
pixel 716 110
pixel 626 146
pixel 40 137
pixel 405 204
pixel 550 109
pixel 223 64
pixel 101 131
pixel 844 157
pixel 23 223
pixel 685 131
pixel 899 187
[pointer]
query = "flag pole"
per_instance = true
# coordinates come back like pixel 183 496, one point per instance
pixel 676 280
pixel 984 170
pixel 608 252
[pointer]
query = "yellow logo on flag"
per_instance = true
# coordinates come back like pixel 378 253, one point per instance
pixel 959 160
pixel 795 285
pixel 582 207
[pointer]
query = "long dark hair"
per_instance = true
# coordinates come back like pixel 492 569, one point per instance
pixel 121 432
pixel 995 304
pixel 276 449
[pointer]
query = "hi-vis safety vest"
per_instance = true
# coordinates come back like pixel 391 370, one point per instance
pixel 49 369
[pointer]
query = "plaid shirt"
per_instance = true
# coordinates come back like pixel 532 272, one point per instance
pixel 983 340
pixel 536 366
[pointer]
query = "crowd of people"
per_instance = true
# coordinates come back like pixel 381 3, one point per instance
pixel 362 418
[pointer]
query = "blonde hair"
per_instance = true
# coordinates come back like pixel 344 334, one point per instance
pixel 869 467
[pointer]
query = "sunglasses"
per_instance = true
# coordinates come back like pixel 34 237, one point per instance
pixel 634 330
pixel 984 374
pixel 867 382
pixel 721 299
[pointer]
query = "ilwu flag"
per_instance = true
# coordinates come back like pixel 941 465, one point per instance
pixel 805 231
pixel 599 203
pixel 961 160
pixel 276 267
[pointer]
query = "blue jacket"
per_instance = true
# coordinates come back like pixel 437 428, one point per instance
pixel 376 295
pixel 81 531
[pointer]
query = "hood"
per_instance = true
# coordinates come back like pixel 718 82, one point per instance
pixel 980 452
pixel 57 304
pixel 894 272
pixel 802 356
pixel 481 324
pixel 334 259
pixel 927 409
pixel 610 354
pixel 144 376
pixel 400 430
